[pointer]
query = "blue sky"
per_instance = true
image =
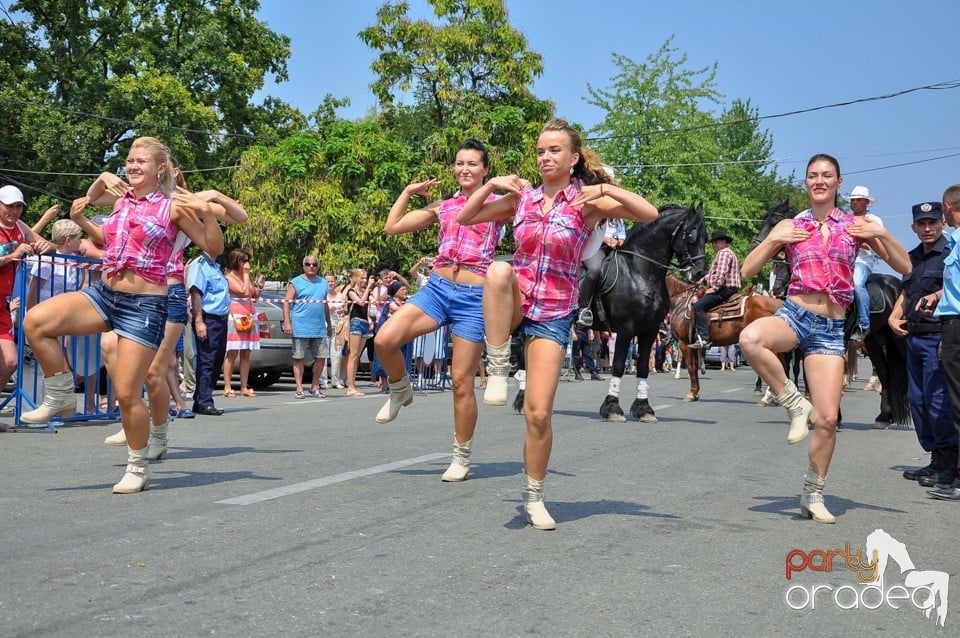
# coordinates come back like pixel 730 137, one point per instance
pixel 782 56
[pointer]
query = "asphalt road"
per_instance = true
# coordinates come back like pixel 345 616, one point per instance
pixel 304 518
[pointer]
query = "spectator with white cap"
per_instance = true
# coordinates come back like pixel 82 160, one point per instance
pixel 18 241
pixel 860 199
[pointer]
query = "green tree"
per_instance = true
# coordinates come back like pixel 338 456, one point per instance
pixel 329 191
pixel 661 132
pixel 466 74
pixel 82 79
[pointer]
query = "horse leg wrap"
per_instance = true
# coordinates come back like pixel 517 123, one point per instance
pixel 643 389
pixel 614 389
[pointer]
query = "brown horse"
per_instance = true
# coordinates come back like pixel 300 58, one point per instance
pixel 726 321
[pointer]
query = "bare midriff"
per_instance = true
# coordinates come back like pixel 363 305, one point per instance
pixel 819 302
pixel 127 281
pixel 460 276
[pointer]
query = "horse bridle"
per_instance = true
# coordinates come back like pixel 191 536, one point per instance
pixel 686 257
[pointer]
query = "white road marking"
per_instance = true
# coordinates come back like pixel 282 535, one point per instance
pixel 287 490
pixel 730 390
pixel 662 407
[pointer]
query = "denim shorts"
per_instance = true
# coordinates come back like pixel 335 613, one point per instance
pixel 360 327
pixel 138 317
pixel 458 305
pixel 176 303
pixel 816 334
pixel 316 346
pixel 556 330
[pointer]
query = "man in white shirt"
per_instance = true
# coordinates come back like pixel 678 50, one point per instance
pixel 860 199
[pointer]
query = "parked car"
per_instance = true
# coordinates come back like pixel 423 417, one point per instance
pixel 273 359
pixel 712 357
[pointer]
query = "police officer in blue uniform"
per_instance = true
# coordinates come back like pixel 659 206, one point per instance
pixel 926 380
pixel 948 312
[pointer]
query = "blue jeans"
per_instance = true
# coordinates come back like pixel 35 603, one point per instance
pixel 556 330
pixel 360 327
pixel 459 305
pixel 176 303
pixel 138 317
pixel 860 275
pixel 816 334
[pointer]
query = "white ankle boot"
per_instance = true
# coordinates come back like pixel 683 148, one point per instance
pixel 811 501
pixel 401 394
pixel 157 443
pixel 58 400
pixel 460 465
pixel 537 513
pixel 498 372
pixel 120 438
pixel 137 475
pixel 799 409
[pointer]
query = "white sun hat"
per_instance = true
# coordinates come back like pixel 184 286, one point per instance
pixel 862 192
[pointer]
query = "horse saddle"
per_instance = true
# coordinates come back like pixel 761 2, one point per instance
pixel 731 309
pixel 879 296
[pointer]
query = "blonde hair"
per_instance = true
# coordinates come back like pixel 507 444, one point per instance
pixel 63 228
pixel 166 180
pixel 588 169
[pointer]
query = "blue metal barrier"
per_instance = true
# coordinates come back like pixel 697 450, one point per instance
pixel 55 274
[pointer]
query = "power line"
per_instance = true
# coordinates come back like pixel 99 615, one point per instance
pixel 137 123
pixel 939 86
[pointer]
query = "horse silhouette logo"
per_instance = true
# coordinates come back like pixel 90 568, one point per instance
pixel 926 590
pixel 885 547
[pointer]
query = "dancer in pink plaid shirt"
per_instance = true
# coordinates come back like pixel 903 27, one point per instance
pixel 821 245
pixel 538 294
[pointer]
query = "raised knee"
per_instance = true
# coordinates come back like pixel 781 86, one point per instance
pixel 499 275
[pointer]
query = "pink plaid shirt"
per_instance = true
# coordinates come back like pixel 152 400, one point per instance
pixel 138 237
pixel 824 266
pixel 470 247
pixel 549 247
pixel 725 271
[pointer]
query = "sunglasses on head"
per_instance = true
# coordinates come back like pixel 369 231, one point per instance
pixel 244 260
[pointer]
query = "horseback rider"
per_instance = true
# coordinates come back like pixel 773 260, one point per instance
pixel 723 281
pixel 613 235
pixel 860 198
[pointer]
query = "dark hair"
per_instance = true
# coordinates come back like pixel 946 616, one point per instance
pixel 588 168
pixel 473 144
pixel 823 157
pixel 233 259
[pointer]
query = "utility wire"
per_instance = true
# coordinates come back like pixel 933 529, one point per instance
pixel 939 86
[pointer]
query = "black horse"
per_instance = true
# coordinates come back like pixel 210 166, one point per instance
pixel 886 349
pixel 634 295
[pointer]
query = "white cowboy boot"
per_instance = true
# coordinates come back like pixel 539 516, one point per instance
pixel 811 501
pixel 498 372
pixel 157 443
pixel 137 475
pixel 537 513
pixel 401 394
pixel 58 400
pixel 799 409
pixel 120 438
pixel 460 464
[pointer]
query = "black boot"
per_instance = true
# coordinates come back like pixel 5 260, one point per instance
pixel 577 375
pixel 946 472
pixel 915 473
